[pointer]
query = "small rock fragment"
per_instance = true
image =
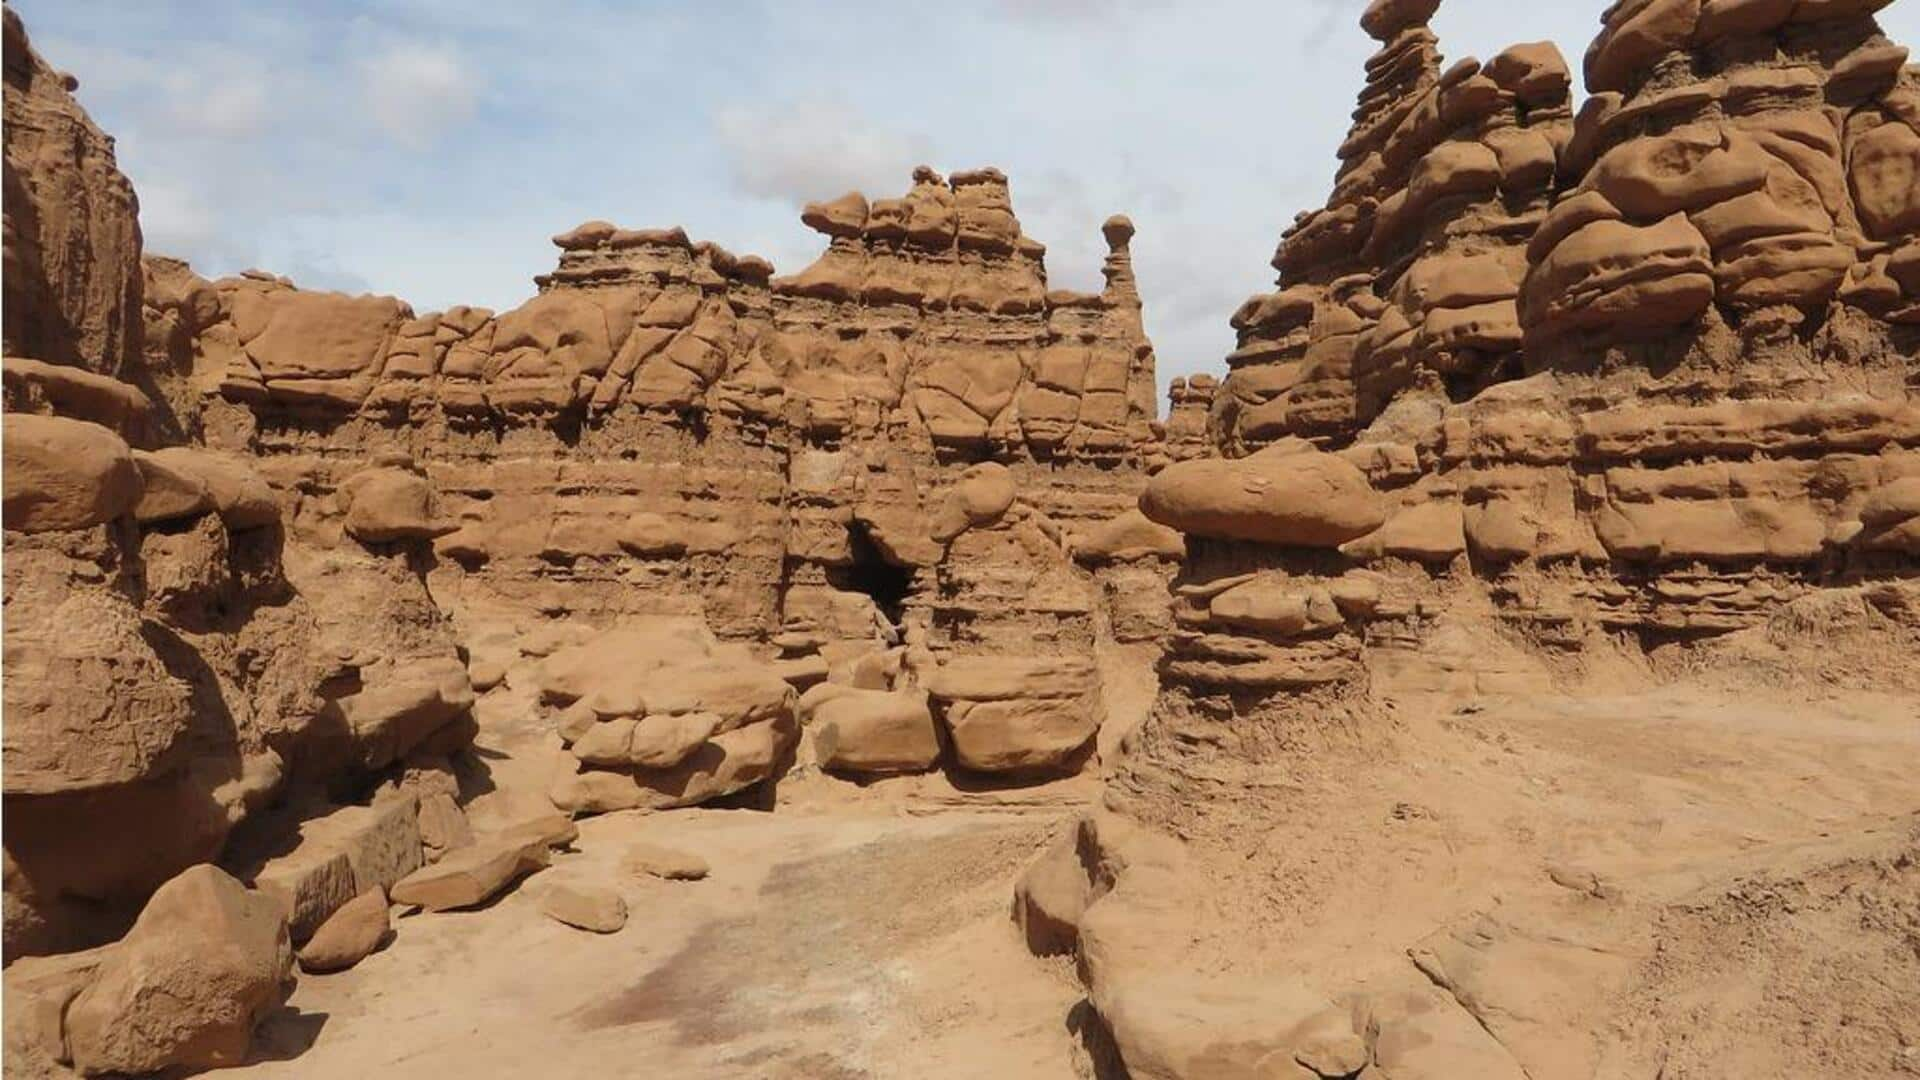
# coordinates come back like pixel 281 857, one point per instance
pixel 588 907
pixel 349 935
pixel 665 862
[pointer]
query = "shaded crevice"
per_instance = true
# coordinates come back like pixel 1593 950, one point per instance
pixel 871 573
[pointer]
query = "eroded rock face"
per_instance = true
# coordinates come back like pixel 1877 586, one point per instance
pixel 1642 370
pixel 1639 377
pixel 1750 193
pixel 1411 271
pixel 175 659
pixel 896 445
pixel 73 279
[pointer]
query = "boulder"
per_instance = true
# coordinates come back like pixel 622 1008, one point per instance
pixel 664 715
pixel 663 740
pixel 981 496
pixel 204 963
pixel 242 497
pixel 169 493
pixel 1022 735
pixel 349 935
pixel 729 762
pixel 1285 494
pixel 587 907
pixel 875 731
pixel 391 504
pixel 65 474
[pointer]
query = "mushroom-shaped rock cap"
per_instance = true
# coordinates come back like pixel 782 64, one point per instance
pixel 844 216
pixel 1118 230
pixel 985 175
pixel 632 238
pixel 1384 18
pixel 924 174
pixel 1534 71
pixel 587 234
pixel 1289 493
pixel 753 268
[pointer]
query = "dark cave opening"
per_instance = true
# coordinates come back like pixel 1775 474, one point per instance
pixel 872 573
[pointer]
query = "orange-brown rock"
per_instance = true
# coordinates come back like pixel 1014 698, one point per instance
pixel 66 474
pixel 1287 494
pixel 204 964
pixel 349 935
pixel 73 276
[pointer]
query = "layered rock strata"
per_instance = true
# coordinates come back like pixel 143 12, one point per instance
pixel 1633 379
pixel 896 448
pixel 1648 369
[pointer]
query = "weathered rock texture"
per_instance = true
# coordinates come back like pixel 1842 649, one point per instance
pixel 897 446
pixel 1648 369
pixel 175 662
pixel 183 991
pixel 1639 377
pixel 73 284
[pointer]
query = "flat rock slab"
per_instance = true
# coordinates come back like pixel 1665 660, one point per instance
pixel 664 862
pixel 469 876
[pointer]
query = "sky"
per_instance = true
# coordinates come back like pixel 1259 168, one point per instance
pixel 428 148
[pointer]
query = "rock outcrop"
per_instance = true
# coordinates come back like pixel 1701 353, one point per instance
pixel 1644 368
pixel 176 663
pixel 896 446
pixel 1633 379
pixel 73 278
pixel 661 716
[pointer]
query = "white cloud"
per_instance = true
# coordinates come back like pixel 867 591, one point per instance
pixel 806 150
pixel 1077 11
pixel 415 92
pixel 232 105
pixel 175 217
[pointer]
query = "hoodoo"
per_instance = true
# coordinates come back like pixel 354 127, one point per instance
pixel 1505 667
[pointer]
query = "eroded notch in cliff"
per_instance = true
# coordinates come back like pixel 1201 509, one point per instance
pixel 871 572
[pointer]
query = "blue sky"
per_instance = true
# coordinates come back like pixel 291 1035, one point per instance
pixel 428 148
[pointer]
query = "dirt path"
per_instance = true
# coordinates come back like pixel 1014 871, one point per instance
pixel 822 946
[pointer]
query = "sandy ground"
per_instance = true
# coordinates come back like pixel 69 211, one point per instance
pixel 821 946
pixel 1706 842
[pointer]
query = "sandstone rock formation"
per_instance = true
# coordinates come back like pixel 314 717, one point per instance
pixel 348 935
pixel 660 717
pixel 586 907
pixel 175 664
pixel 73 279
pixel 1539 398
pixel 896 445
pixel 1638 379
pixel 1656 345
